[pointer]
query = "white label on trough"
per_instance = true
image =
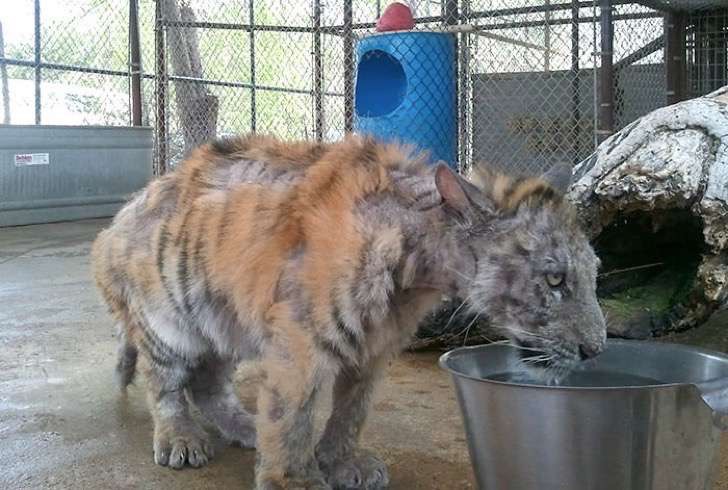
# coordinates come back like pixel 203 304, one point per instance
pixel 23 159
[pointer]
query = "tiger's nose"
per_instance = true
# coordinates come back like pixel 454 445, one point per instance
pixel 587 351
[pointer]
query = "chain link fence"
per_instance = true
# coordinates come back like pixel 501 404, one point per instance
pixel 529 82
pixel 65 62
pixel 707 38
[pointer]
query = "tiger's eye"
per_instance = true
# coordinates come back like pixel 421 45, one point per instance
pixel 554 280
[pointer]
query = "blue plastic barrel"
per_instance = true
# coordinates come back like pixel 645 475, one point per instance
pixel 405 90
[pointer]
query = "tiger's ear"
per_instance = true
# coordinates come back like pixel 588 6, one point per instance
pixel 459 195
pixel 450 189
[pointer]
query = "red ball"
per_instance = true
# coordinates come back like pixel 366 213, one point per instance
pixel 396 17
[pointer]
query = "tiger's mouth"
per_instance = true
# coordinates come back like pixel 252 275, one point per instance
pixel 534 355
pixel 544 365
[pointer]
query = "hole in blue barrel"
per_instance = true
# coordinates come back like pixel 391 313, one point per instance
pixel 380 85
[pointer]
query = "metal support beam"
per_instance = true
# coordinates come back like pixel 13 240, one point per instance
pixel 675 51
pixel 234 26
pixel 135 64
pixel 542 8
pixel 606 72
pixel 349 66
pixel 253 95
pixel 655 4
pixel 575 83
pixel 464 109
pixel 547 38
pixel 563 21
pixel 4 80
pixel 641 53
pixel 59 66
pixel 36 48
pixel 450 16
pixel 161 92
pixel 318 73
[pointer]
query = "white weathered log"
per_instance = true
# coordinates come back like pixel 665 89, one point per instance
pixel 673 158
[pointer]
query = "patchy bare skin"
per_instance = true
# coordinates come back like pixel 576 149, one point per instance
pixel 319 261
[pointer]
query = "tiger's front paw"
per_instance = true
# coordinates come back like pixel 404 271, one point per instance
pixel 362 471
pixel 176 448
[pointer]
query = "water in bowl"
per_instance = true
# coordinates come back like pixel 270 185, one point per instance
pixel 582 379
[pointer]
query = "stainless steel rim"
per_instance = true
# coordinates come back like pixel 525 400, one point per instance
pixel 459 351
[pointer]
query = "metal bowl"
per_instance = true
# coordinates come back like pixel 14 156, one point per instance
pixel 606 434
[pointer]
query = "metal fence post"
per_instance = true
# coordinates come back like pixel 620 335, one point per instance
pixel 463 90
pixel 4 79
pixel 575 81
pixel 449 15
pixel 466 109
pixel 253 101
pixel 161 92
pixel 606 72
pixel 36 48
pixel 349 65
pixel 135 64
pixel 318 73
pixel 675 63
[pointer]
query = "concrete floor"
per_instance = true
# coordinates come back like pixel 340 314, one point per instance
pixel 63 423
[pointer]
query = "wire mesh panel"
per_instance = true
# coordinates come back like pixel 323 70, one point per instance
pixel 639 70
pixel 65 62
pixel 532 84
pixel 707 47
pixel 537 68
pixel 232 67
